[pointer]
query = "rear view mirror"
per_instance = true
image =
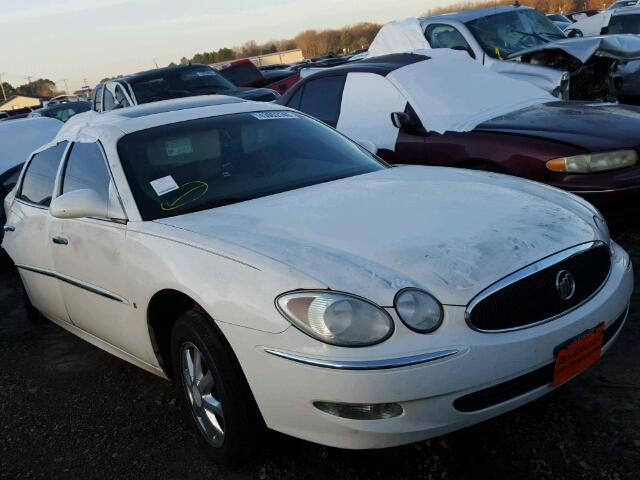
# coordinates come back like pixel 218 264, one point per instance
pixel 573 33
pixel 400 119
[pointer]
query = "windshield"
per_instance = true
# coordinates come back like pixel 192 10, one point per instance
pixel 504 34
pixel 182 82
pixel 216 161
pixel 624 24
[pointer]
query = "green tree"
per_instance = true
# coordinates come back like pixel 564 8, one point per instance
pixel 38 88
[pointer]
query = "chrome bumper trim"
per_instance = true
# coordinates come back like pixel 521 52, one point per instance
pixel 364 364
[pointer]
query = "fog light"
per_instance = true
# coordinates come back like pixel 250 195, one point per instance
pixel 360 411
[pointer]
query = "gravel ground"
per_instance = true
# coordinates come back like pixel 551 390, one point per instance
pixel 69 410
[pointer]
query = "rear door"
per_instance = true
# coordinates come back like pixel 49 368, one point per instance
pixel 27 239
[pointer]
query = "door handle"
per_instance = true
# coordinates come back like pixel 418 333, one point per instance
pixel 9 228
pixel 60 241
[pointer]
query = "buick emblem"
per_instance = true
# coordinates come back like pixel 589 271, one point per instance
pixel 565 284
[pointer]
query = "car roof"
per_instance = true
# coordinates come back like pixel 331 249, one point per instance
pixel 468 15
pixel 382 65
pixel 634 10
pixel 63 106
pixel 147 74
pixel 91 126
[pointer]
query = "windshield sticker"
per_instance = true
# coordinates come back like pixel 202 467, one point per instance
pixel 179 146
pixel 164 185
pixel 191 192
pixel 207 73
pixel 273 115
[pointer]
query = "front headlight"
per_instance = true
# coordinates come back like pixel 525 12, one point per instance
pixel 594 162
pixel 418 310
pixel 336 318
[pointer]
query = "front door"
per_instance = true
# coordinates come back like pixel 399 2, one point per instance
pixel 90 254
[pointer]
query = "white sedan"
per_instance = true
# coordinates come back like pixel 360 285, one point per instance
pixel 289 279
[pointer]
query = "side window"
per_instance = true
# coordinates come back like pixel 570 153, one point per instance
pixel 446 36
pixel 86 168
pixel 108 102
pixel 40 176
pixel 294 102
pixel 121 98
pixel 322 98
pixel 97 95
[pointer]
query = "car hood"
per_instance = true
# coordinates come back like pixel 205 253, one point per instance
pixel 452 232
pixel 589 125
pixel 256 94
pixel 617 47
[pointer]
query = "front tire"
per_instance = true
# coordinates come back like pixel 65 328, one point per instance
pixel 216 391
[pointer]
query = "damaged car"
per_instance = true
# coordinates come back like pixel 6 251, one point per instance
pixel 286 278
pixel 617 22
pixel 441 108
pixel 519 42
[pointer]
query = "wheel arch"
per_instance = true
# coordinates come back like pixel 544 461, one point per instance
pixel 165 307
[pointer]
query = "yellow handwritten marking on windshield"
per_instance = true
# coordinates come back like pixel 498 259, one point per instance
pixel 498 54
pixel 182 200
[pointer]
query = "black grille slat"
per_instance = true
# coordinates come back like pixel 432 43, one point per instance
pixel 535 298
pixel 521 385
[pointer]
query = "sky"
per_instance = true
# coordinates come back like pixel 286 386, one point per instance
pixel 93 39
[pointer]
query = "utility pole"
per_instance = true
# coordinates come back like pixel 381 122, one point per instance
pixel 66 85
pixel 4 95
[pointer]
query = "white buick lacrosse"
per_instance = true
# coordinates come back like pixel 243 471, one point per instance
pixel 286 278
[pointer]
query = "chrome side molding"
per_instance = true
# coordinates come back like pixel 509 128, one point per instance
pixel 75 283
pixel 365 364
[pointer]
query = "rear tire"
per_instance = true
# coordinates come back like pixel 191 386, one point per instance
pixel 216 391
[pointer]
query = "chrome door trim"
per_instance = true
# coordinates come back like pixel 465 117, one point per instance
pixel 75 283
pixel 527 272
pixel 365 364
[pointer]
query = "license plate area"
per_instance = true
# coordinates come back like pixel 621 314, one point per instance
pixel 578 354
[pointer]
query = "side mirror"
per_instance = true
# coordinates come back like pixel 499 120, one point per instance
pixel 368 145
pixel 85 203
pixel 573 33
pixel 400 119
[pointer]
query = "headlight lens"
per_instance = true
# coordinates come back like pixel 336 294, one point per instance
pixel 418 310
pixel 594 162
pixel 336 318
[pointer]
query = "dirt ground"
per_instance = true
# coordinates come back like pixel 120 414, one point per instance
pixel 69 410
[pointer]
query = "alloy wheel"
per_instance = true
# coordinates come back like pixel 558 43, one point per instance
pixel 200 388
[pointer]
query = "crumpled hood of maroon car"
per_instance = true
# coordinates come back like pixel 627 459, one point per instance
pixel 589 125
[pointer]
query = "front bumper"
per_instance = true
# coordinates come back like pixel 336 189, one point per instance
pixel 428 392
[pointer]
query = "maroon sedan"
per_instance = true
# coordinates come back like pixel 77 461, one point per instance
pixel 586 148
